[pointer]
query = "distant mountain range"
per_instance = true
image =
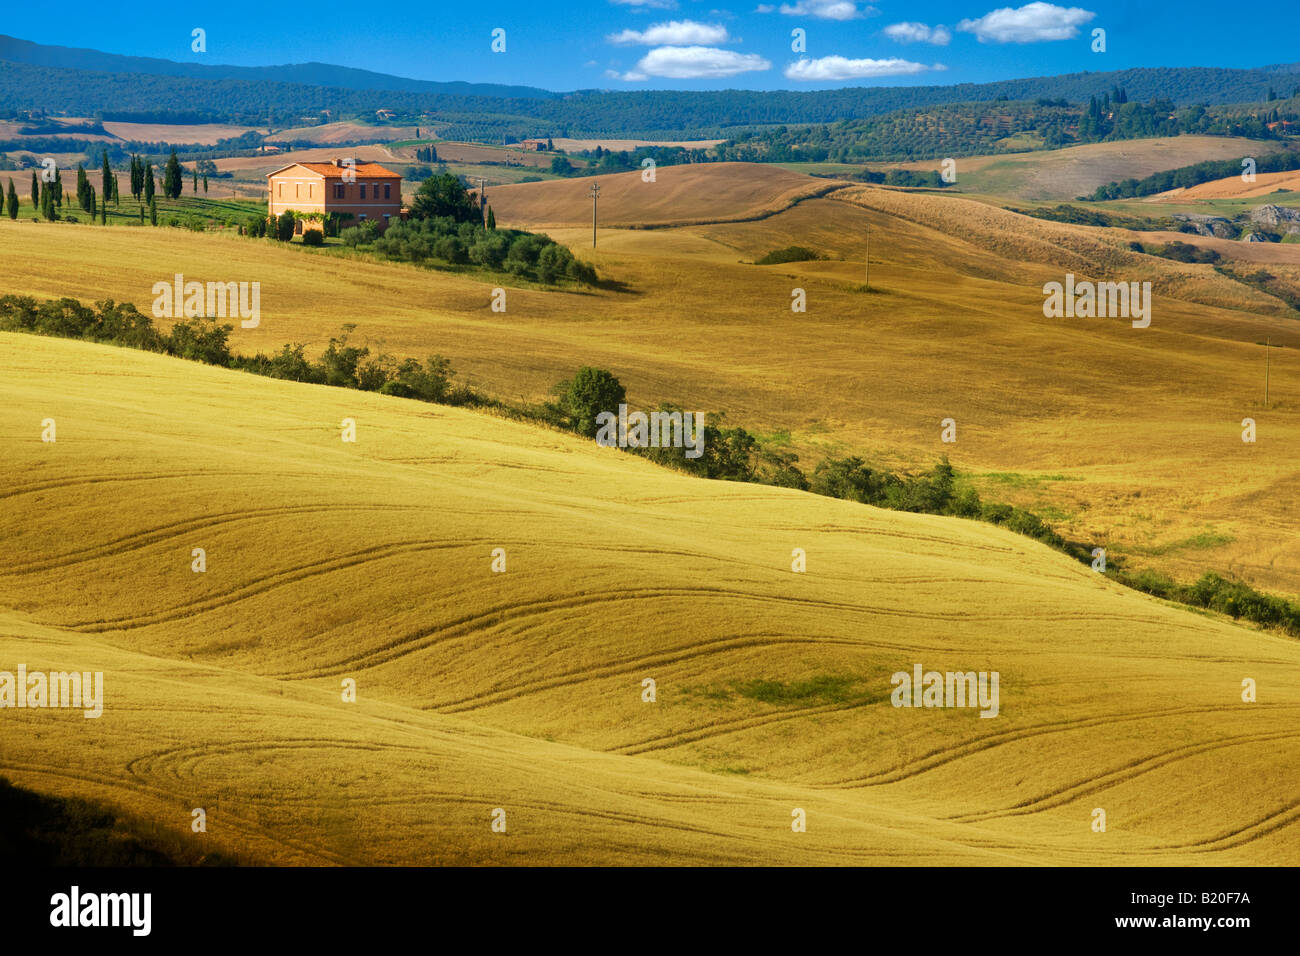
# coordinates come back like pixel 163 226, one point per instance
pixel 15 50
pixel 92 83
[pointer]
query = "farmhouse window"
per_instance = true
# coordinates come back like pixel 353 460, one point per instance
pixel 388 194
pixel 338 190
pixel 363 190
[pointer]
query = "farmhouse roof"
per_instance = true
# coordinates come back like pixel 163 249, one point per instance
pixel 335 170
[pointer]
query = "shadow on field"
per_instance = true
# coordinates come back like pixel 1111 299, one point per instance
pixel 40 830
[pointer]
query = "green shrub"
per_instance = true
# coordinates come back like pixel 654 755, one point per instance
pixel 788 254
pixel 284 226
pixel 313 237
pixel 590 392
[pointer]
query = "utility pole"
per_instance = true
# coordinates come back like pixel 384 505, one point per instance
pixel 868 260
pixel 595 191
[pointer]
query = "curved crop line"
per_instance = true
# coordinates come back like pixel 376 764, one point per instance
pixel 707 648
pixel 1119 775
pixel 158 533
pixel 937 758
pixel 260 586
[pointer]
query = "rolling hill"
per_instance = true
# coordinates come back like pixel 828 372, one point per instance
pixel 522 690
pixel 678 196
pixel 1092 424
pixel 1065 174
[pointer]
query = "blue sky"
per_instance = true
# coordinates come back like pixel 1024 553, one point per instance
pixel 696 44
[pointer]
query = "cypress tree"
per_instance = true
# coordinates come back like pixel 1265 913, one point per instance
pixel 36 191
pixel 205 184
pixel 147 179
pixel 107 190
pixel 11 201
pixel 58 186
pixel 195 173
pixel 492 218
pixel 83 185
pixel 153 211
pixel 103 213
pixel 173 177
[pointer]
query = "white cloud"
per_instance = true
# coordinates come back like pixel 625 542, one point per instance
pixel 1032 23
pixel 694 63
pixel 911 32
pixel 673 33
pixel 765 8
pixel 831 68
pixel 648 4
pixel 825 10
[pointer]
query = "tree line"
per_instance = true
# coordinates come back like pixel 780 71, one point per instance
pixel 676 113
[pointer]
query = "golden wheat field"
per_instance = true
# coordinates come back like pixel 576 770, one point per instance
pixel 1064 174
pixel 522 690
pixel 1127 438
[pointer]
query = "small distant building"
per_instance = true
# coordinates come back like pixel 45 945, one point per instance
pixel 538 145
pixel 384 115
pixel 343 186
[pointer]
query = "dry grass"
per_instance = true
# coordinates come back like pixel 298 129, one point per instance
pixel 621 145
pixel 1234 187
pixel 1144 424
pixel 1064 174
pixel 204 134
pixel 680 195
pixel 522 690
pixel 347 131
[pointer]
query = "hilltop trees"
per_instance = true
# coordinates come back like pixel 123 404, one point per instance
pixel 47 202
pixel 84 199
pixel 520 253
pixel 109 181
pixel 445 195
pixel 173 177
pixel 137 177
pixel 590 392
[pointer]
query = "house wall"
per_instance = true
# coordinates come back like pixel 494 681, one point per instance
pixel 302 190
